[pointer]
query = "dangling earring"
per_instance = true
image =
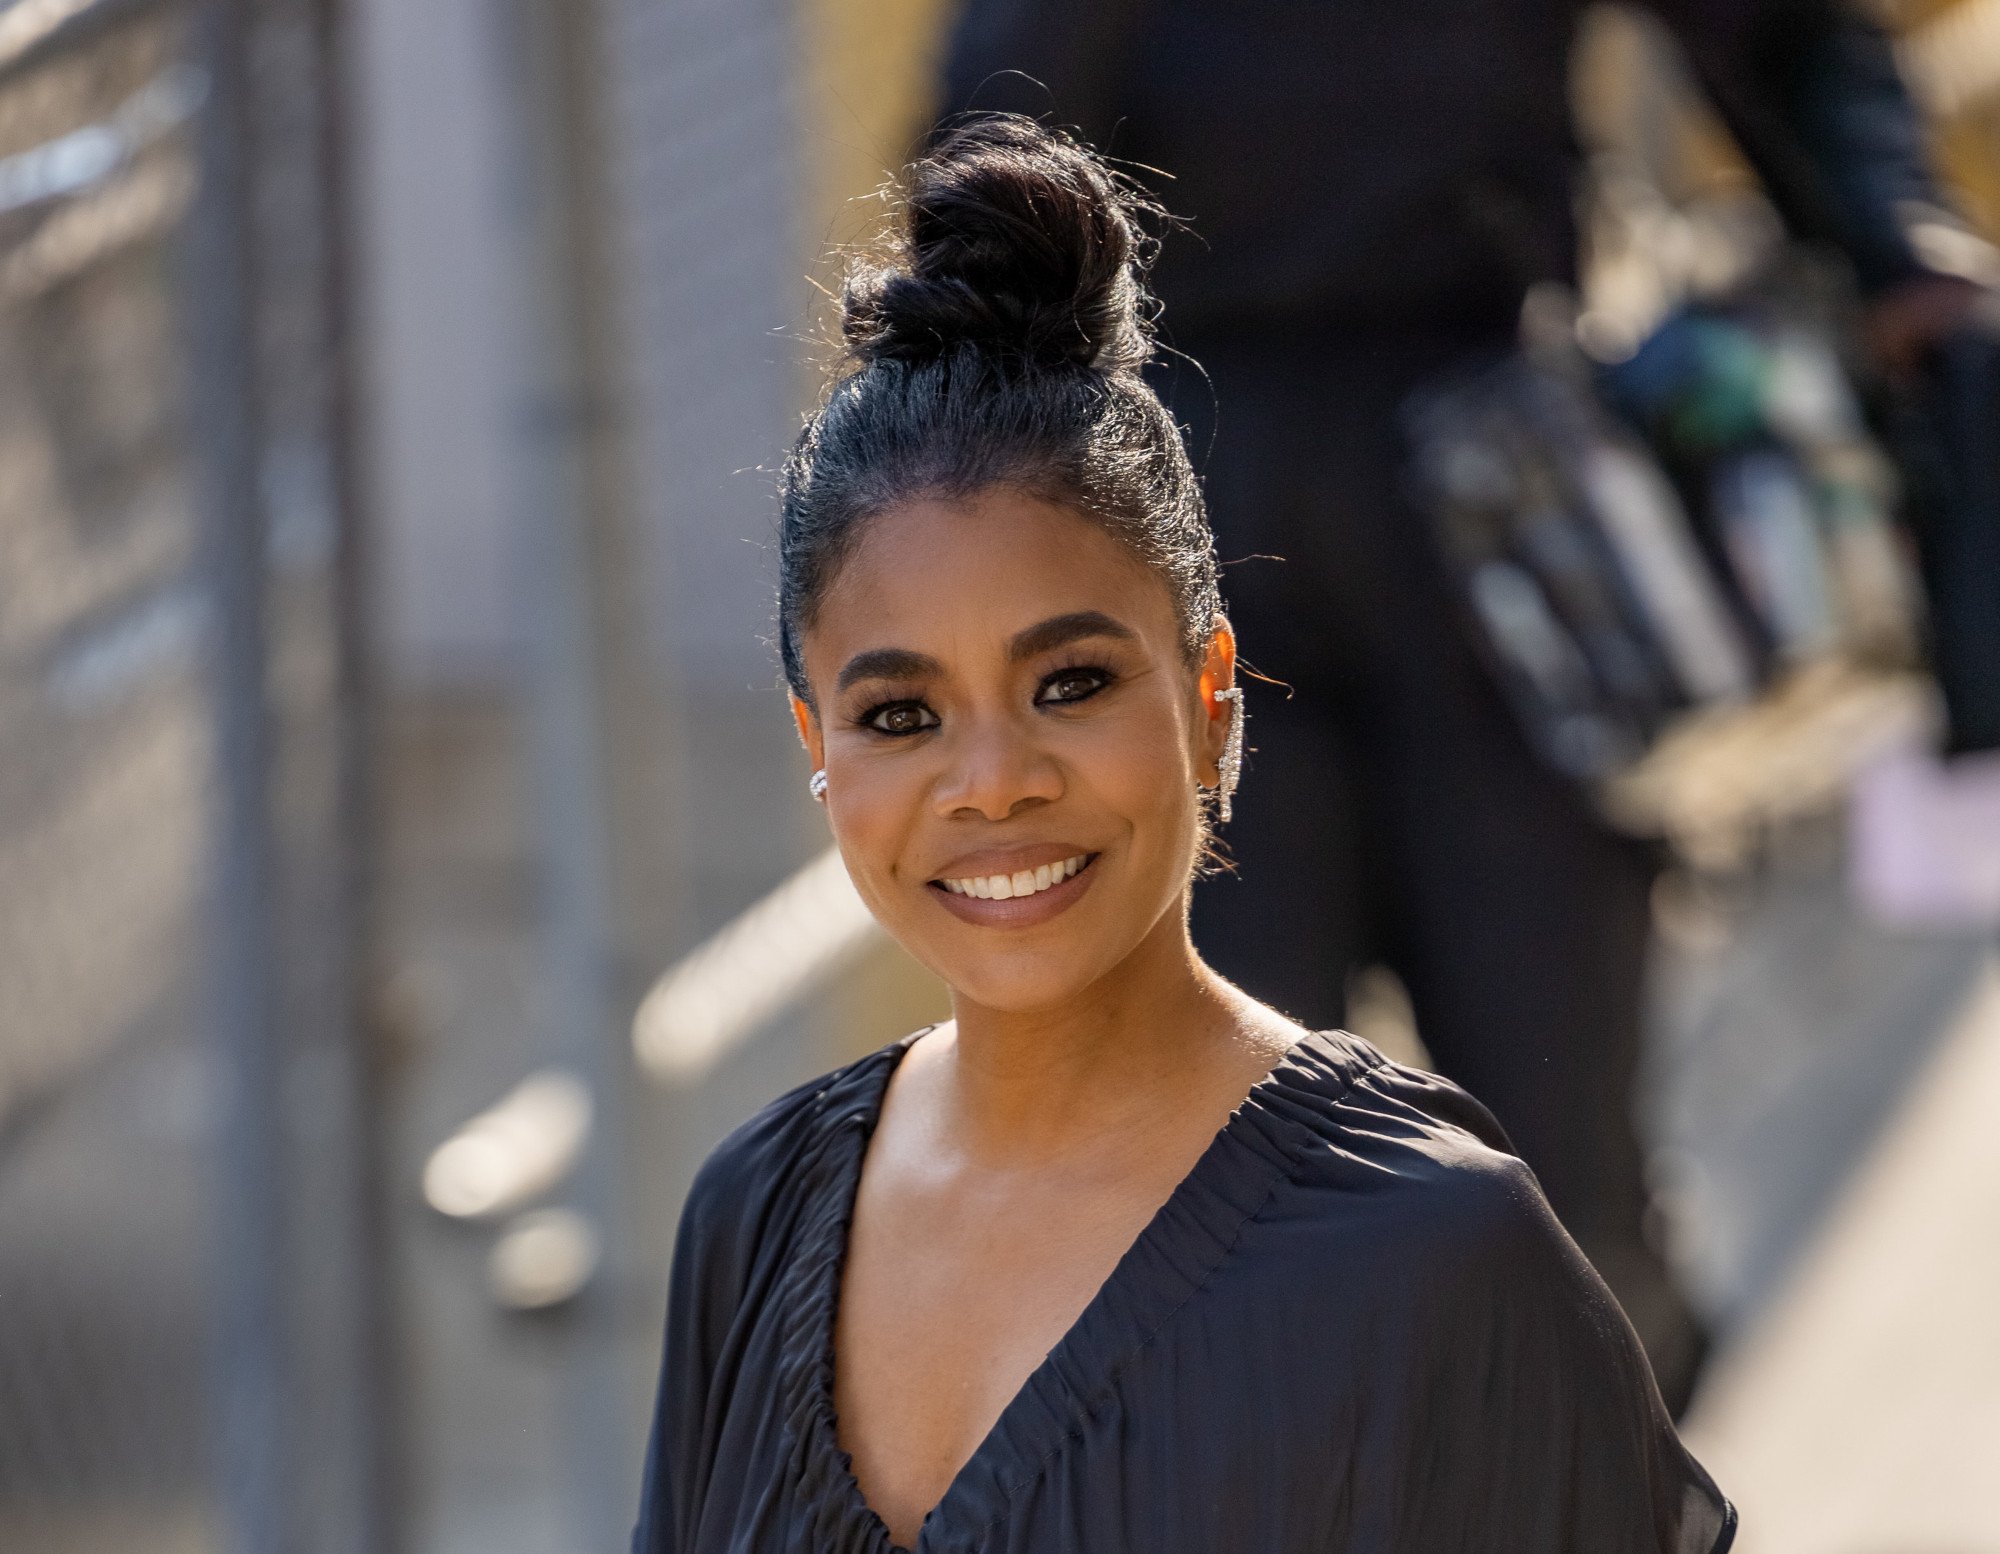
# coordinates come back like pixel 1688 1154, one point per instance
pixel 816 786
pixel 1231 771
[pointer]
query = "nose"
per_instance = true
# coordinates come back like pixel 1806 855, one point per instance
pixel 995 769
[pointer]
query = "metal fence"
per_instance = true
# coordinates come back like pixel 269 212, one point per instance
pixel 189 1299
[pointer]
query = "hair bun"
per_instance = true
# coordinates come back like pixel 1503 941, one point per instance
pixel 1019 241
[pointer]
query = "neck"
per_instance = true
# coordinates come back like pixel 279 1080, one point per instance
pixel 1030 1085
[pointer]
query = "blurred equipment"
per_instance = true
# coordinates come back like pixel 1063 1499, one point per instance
pixel 512 1153
pixel 807 931
pixel 1749 408
pixel 1712 628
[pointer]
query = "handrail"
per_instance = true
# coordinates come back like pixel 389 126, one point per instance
pixel 778 952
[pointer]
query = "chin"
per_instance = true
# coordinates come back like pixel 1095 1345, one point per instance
pixel 1030 993
pixel 1024 981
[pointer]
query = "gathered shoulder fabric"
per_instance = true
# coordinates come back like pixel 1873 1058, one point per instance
pixel 1354 1328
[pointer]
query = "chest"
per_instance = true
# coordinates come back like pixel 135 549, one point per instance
pixel 950 1299
pixel 1197 1403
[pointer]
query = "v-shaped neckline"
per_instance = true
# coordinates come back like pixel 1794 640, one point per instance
pixel 1173 1255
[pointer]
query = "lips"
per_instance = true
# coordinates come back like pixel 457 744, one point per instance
pixel 1014 888
pixel 1022 882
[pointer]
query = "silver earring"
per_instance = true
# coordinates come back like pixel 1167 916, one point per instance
pixel 1232 753
pixel 816 786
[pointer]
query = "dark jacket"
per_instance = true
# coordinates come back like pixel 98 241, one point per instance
pixel 1393 162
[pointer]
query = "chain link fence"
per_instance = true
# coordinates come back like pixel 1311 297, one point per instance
pixel 184 1236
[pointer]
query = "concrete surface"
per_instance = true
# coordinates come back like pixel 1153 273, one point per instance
pixel 1859 1411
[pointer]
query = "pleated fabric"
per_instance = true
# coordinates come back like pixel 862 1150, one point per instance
pixel 1354 1328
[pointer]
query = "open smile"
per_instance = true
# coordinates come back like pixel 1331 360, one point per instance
pixel 1022 882
pixel 1017 899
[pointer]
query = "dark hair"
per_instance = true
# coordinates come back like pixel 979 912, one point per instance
pixel 1001 343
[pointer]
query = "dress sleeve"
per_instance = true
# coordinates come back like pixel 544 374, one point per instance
pixel 1533 1425
pixel 703 1295
pixel 726 1251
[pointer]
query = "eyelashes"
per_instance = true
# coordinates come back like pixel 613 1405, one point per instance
pixel 904 716
pixel 1082 680
pixel 898 719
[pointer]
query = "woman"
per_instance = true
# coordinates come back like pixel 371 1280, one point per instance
pixel 1118 1259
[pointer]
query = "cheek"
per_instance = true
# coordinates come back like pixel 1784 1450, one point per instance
pixel 873 811
pixel 1142 767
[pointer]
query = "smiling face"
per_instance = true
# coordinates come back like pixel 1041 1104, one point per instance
pixel 1013 741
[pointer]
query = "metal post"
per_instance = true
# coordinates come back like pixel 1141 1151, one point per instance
pixel 374 1412
pixel 556 530
pixel 250 1353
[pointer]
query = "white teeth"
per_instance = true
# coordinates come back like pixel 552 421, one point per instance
pixel 1026 882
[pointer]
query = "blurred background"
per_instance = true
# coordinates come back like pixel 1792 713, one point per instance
pixel 390 753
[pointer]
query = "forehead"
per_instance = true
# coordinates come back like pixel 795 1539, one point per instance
pixel 979 569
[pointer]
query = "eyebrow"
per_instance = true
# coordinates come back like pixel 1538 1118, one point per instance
pixel 886 664
pixel 1057 631
pixel 1061 630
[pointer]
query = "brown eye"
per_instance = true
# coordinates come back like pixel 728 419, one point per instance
pixel 1070 685
pixel 900 717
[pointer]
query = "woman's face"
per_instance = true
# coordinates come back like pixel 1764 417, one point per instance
pixel 1013 742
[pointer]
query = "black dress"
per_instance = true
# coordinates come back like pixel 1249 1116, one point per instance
pixel 1354 1328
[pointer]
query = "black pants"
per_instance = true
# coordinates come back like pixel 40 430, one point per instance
pixel 1391 812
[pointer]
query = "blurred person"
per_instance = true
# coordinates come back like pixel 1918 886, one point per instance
pixel 1373 192
pixel 1118 1258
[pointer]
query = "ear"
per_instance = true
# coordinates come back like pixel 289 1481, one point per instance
pixel 1218 673
pixel 809 734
